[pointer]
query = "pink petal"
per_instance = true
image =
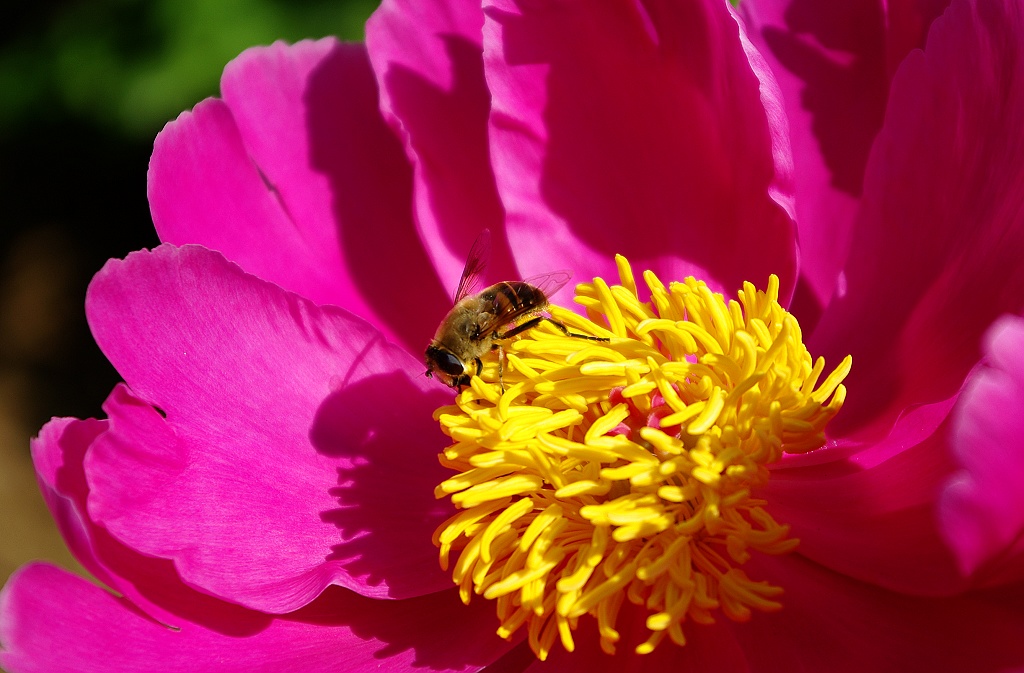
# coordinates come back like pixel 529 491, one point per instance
pixel 833 623
pixel 51 621
pixel 907 23
pixel 150 583
pixel 514 661
pixel 637 129
pixel 708 648
pixel 239 484
pixel 295 177
pixel 829 60
pixel 982 507
pixel 57 454
pixel 427 57
pixel 872 515
pixel 937 254
pixel 828 623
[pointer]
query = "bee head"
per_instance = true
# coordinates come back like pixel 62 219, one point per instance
pixel 450 369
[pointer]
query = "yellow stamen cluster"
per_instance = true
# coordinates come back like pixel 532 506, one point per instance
pixel 625 470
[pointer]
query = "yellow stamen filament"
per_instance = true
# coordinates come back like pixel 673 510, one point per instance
pixel 606 472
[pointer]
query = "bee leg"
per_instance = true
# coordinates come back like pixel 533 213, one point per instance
pixel 479 366
pixel 501 368
pixel 565 330
pixel 518 329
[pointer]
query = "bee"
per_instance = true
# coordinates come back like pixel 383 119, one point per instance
pixel 479 322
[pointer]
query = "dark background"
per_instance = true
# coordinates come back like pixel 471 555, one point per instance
pixel 84 88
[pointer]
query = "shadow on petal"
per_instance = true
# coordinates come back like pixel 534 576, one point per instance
pixel 371 196
pixel 839 56
pixel 442 633
pixel 382 434
pixel 612 139
pixel 447 132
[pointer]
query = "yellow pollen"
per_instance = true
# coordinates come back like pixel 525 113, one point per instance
pixel 624 470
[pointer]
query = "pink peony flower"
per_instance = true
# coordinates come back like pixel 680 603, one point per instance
pixel 261 493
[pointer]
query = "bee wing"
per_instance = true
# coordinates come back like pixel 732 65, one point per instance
pixel 508 306
pixel 475 265
pixel 550 283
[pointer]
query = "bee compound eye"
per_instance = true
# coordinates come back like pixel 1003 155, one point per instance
pixel 449 364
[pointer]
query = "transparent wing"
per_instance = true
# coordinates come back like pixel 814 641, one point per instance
pixel 475 265
pixel 551 282
pixel 514 300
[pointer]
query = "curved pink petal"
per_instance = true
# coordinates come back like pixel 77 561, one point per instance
pixel 937 254
pixel 295 177
pixel 427 57
pixel 837 458
pixel 871 516
pixel 641 129
pixel 152 584
pixel 833 62
pixel 829 60
pixel 57 454
pixel 982 506
pixel 52 622
pixel 149 583
pixel 239 483
pixel 828 623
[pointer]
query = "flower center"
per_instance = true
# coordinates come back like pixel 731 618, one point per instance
pixel 624 470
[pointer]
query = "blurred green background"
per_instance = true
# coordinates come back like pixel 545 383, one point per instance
pixel 84 88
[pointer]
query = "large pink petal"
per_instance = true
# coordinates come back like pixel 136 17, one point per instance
pixel 829 61
pixel 871 516
pixel 153 584
pixel 239 484
pixel 150 583
pixel 427 57
pixel 828 623
pixel 54 622
pixel 982 506
pixel 648 129
pixel 939 247
pixel 295 177
pixel 833 623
